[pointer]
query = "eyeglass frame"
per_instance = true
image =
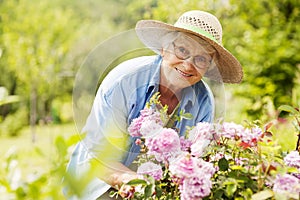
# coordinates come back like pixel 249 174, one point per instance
pixel 175 47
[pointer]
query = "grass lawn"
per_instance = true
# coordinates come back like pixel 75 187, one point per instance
pixel 29 159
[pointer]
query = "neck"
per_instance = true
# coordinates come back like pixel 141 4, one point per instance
pixel 169 97
pixel 169 92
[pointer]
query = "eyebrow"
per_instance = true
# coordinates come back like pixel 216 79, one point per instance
pixel 183 44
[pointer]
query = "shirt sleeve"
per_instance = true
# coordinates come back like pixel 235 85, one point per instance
pixel 105 139
pixel 106 127
pixel 209 113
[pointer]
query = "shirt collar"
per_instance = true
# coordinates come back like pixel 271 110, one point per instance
pixel 188 95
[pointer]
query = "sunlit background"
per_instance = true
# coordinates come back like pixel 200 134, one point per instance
pixel 44 43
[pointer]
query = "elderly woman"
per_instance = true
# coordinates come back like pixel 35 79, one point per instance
pixel 187 51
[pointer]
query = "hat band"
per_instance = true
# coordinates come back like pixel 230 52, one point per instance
pixel 197 30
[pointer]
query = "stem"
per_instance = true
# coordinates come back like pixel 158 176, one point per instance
pixel 298 141
pixel 260 182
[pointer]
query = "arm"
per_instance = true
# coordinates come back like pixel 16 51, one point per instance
pixel 115 174
pixel 107 138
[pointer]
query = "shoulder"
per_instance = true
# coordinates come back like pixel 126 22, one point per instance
pixel 206 97
pixel 133 71
pixel 132 66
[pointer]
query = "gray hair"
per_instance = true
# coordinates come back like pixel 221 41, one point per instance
pixel 172 36
pixel 169 38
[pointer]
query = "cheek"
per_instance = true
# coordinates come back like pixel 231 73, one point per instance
pixel 170 63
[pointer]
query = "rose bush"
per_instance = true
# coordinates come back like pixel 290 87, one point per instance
pixel 213 161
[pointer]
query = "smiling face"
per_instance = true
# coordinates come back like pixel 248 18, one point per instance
pixel 184 63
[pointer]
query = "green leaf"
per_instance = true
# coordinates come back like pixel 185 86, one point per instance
pixel 230 189
pixel 136 182
pixel 61 146
pixel 158 191
pixel 289 109
pixel 218 193
pixel 39 151
pixel 265 194
pixel 148 191
pixel 223 164
pixel 5 98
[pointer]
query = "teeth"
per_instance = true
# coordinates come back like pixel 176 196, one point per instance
pixel 182 73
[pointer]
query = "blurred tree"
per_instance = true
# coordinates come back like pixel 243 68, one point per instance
pixel 265 36
pixel 36 38
pixel 43 44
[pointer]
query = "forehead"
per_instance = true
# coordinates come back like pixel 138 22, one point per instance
pixel 189 41
pixel 194 44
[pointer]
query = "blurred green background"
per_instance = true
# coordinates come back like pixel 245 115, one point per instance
pixel 43 44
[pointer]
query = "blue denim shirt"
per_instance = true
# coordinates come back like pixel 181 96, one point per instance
pixel 120 97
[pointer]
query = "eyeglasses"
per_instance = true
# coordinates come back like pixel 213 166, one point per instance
pixel 200 61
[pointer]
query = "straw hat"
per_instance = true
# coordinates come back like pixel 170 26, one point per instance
pixel 204 25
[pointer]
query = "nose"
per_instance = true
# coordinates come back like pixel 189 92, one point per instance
pixel 189 62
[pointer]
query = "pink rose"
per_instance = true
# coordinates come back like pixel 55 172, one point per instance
pixel 151 169
pixel 165 145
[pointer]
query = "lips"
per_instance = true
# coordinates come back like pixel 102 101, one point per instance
pixel 183 73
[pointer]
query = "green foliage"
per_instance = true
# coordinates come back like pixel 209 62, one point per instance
pixel 61 110
pixel 5 98
pixel 35 41
pixel 266 47
pixel 295 113
pixel 13 123
pixel 37 185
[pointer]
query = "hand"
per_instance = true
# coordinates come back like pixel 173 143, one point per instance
pixel 126 191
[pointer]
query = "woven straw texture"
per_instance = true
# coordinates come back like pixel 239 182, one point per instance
pixel 227 68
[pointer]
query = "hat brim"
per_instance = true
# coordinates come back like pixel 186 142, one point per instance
pixel 228 69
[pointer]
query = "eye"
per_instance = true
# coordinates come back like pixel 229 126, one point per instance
pixel 200 59
pixel 183 51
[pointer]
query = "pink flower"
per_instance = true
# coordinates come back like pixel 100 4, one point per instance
pixel 186 166
pixel 241 161
pixel 202 131
pixel 293 159
pixel 135 126
pixel 231 130
pixel 150 128
pixel 216 157
pixel 195 188
pixel 151 169
pixel 193 175
pixel 147 114
pixel 247 137
pixel 198 148
pixel 287 184
pixel 183 167
pixel 205 167
pixel 165 145
pixel 185 144
pixel 251 136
